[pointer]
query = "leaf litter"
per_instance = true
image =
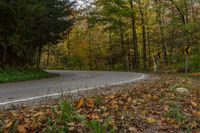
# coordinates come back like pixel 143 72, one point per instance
pixel 152 106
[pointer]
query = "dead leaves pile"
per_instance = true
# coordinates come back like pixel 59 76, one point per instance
pixel 149 107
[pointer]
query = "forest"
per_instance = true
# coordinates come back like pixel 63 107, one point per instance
pixel 28 25
pixel 122 35
pixel 100 66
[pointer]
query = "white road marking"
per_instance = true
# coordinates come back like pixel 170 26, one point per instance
pixel 74 91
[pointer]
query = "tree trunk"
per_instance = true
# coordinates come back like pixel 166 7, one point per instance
pixel 39 56
pixel 68 44
pixel 110 52
pixel 143 35
pixel 161 29
pixel 134 37
pixel 123 50
pixel 5 51
pixel 48 54
pixel 149 49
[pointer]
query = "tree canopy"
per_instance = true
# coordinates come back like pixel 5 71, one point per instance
pixel 26 26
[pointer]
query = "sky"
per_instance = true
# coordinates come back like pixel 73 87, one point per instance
pixel 83 3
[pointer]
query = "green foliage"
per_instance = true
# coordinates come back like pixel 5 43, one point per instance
pixel 64 114
pixel 13 128
pixel 98 127
pixel 174 87
pixel 13 74
pixel 98 101
pixel 175 112
pixel 28 25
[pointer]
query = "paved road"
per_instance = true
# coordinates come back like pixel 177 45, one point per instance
pixel 68 81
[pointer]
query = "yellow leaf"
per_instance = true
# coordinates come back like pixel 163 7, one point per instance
pixel 194 104
pixel 151 120
pixel 38 114
pixel 194 124
pixel 111 97
pixel 132 129
pixel 93 116
pixel 198 113
pixel 80 103
pixel 8 125
pixel 90 103
pixel 21 129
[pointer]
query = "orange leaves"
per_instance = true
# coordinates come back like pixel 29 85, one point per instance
pixel 93 116
pixel 80 103
pixel 21 129
pixel 89 102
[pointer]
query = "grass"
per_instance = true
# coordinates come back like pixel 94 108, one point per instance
pixel 14 75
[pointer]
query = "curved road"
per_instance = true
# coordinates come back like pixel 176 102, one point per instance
pixel 69 81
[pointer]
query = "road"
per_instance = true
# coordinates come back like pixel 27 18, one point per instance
pixel 68 81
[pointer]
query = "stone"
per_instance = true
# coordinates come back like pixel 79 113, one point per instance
pixel 182 90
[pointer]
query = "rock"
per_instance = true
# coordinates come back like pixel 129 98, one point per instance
pixel 182 90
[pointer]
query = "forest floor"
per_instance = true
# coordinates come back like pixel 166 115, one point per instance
pixel 151 106
pixel 14 75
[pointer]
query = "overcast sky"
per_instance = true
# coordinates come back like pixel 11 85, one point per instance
pixel 83 3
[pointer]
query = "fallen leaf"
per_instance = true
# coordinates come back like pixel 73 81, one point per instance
pixel 151 120
pixel 198 113
pixel 93 116
pixel 21 129
pixel 106 114
pixel 80 103
pixel 132 129
pixel 111 97
pixel 8 125
pixel 194 124
pixel 90 103
pixel 194 104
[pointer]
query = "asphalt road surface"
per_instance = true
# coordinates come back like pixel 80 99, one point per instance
pixel 68 81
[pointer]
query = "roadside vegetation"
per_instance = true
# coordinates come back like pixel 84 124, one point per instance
pixel 14 75
pixel 154 106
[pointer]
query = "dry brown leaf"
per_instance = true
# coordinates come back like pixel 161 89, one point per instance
pixel 151 120
pixel 90 103
pixel 93 116
pixel 80 103
pixel 194 104
pixel 132 129
pixel 106 114
pixel 38 114
pixel 111 97
pixel 21 129
pixel 198 113
pixel 129 99
pixel 8 125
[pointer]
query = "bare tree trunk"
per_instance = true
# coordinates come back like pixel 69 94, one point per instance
pixel 149 49
pixel 134 37
pixel 5 51
pixel 129 68
pixel 48 54
pixel 68 44
pixel 143 35
pixel 39 56
pixel 161 29
pixel 90 56
pixel 123 50
pixel 110 52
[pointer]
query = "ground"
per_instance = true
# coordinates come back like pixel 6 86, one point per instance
pixel 14 75
pixel 150 106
